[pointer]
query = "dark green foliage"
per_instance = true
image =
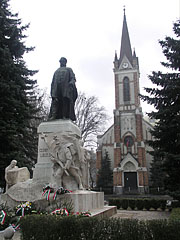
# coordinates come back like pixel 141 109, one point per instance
pixel 176 195
pixel 124 203
pixel 53 227
pixel 163 229
pixel 139 203
pixel 155 204
pixel 157 170
pixel 147 204
pixel 175 204
pixel 105 174
pixel 115 202
pixel 18 99
pixel 163 205
pixel 132 203
pixel 175 214
pixel 165 97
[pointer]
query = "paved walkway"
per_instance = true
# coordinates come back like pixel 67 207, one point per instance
pixel 142 215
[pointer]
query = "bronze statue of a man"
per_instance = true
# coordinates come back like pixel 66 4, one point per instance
pixel 63 93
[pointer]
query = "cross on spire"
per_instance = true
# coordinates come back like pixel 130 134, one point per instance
pixel 124 9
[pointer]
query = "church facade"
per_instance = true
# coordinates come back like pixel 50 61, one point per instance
pixel 125 140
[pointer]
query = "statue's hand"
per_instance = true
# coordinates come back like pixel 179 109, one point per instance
pixel 53 159
pixel 68 164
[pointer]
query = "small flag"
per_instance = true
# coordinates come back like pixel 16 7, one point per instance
pixel 2 217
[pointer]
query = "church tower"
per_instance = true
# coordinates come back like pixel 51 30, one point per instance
pixel 125 140
pixel 130 172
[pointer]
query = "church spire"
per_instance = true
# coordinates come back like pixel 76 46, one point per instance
pixel 125 42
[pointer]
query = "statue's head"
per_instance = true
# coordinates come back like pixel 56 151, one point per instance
pixel 13 163
pixel 71 148
pixel 63 61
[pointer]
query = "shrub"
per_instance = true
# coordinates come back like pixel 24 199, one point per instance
pixel 175 204
pixel 112 202
pixel 49 227
pixel 147 204
pixel 125 203
pixel 115 202
pixel 175 195
pixel 155 203
pixel 163 204
pixel 140 204
pixel 132 203
pixel 162 230
pixel 175 214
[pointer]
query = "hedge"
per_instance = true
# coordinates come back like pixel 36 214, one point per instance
pixel 35 227
pixel 175 214
pixel 138 203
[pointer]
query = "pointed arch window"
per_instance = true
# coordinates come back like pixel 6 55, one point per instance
pixel 126 89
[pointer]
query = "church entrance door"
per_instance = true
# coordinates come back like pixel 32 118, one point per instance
pixel 130 181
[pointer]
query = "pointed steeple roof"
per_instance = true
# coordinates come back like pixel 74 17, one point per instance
pixel 115 58
pixel 125 42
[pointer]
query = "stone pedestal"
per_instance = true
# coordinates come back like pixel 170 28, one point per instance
pixel 82 200
pixel 43 168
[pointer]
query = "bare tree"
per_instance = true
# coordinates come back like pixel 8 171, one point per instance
pixel 90 118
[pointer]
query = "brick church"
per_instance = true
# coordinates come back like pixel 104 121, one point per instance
pixel 125 140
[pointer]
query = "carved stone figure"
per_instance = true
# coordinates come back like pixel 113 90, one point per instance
pixel 13 174
pixel 63 93
pixel 65 158
pixel 83 165
pixel 64 163
pixel 8 177
pixel 73 169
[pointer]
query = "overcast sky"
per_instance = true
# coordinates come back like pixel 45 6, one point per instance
pixel 87 33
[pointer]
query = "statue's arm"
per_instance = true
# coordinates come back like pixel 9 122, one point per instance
pixel 68 158
pixel 72 77
pixel 53 86
pixel 6 176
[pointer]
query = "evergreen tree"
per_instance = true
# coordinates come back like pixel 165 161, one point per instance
pixel 105 174
pixel 17 94
pixel 165 96
pixel 157 171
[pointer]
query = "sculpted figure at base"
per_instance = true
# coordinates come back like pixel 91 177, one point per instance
pixel 8 177
pixel 83 165
pixel 64 156
pixel 63 93
pixel 13 174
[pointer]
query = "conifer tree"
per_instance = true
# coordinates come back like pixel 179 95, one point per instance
pixel 105 175
pixel 17 94
pixel 165 97
pixel 157 170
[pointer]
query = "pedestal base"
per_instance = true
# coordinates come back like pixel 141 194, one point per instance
pixel 81 200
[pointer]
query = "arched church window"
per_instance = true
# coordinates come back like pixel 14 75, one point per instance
pixel 128 142
pixel 126 89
